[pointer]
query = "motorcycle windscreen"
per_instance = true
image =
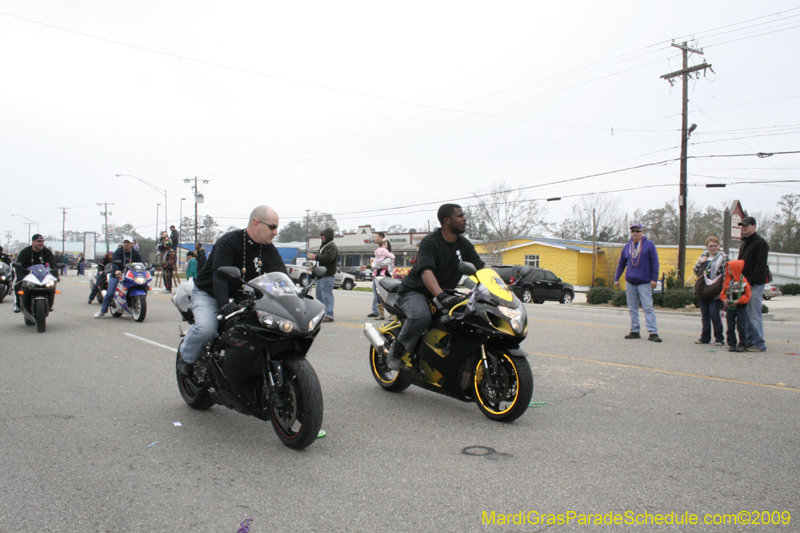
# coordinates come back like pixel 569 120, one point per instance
pixel 495 284
pixel 282 299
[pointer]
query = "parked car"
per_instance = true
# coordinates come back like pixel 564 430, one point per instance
pixel 771 291
pixel 360 275
pixel 344 280
pixel 539 286
pixel 299 273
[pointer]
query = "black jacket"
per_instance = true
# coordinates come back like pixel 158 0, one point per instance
pixel 754 252
pixel 28 257
pixel 328 253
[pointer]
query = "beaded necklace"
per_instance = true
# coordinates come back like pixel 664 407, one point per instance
pixel 634 251
pixel 244 255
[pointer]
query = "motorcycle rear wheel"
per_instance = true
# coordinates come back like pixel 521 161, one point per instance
pixel 387 378
pixel 193 394
pixel 506 396
pixel 139 308
pixel 298 419
pixel 40 313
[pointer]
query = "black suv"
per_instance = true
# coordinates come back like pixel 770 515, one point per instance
pixel 536 287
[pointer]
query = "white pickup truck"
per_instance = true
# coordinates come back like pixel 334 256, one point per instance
pixel 300 275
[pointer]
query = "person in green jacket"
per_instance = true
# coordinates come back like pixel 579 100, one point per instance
pixel 191 266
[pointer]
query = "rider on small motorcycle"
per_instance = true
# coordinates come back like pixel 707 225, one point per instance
pixel 100 273
pixel 249 249
pixel 434 272
pixel 124 255
pixel 4 257
pixel 35 254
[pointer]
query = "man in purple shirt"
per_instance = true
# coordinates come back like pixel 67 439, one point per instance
pixel 639 259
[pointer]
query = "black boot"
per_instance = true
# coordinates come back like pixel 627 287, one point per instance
pixel 395 353
pixel 184 369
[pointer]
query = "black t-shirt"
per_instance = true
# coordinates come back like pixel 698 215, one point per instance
pixel 442 258
pixel 237 249
pixel 28 257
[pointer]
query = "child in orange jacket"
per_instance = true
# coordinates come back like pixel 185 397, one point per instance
pixel 735 295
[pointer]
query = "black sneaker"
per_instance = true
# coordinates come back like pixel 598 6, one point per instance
pixel 732 349
pixel 184 368
pixel 16 308
pixel 392 358
pixel 633 335
pixel 372 315
pixel 654 337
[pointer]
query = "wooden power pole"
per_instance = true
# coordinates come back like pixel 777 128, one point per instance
pixel 683 202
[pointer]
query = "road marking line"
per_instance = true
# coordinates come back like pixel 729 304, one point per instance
pixel 154 343
pixel 661 370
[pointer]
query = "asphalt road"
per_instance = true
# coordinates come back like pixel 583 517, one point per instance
pixel 89 441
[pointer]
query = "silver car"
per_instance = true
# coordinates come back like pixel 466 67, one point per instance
pixel 771 291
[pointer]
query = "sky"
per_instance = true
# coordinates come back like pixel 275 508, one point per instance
pixel 378 112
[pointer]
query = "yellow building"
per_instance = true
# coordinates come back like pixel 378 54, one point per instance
pixel 572 260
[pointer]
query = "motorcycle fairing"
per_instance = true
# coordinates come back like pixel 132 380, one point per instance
pixel 40 272
pixel 495 286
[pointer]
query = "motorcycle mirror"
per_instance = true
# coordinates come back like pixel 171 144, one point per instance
pixel 524 271
pixel 319 272
pixel 467 269
pixel 18 265
pixel 229 273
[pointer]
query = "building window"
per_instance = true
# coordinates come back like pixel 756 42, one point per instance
pixel 532 261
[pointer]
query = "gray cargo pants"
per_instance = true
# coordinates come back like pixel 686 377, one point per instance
pixel 416 307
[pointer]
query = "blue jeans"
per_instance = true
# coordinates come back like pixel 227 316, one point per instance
pixel 641 293
pixel 737 321
pixel 709 310
pixel 374 297
pixel 205 327
pixel 755 323
pixel 112 287
pixel 325 294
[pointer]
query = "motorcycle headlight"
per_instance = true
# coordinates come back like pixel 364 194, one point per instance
pixel 139 280
pixel 314 322
pixel 271 322
pixel 516 317
pixel 27 285
pixel 2 278
pixel 50 284
pixel 265 319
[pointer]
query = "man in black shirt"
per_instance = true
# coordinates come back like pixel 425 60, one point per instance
pixel 435 271
pixel 250 250
pixel 199 255
pixel 35 254
pixel 174 236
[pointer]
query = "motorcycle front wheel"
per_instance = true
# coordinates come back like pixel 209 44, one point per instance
pixel 139 308
pixel 387 378
pixel 40 313
pixel 195 395
pixel 506 395
pixel 297 416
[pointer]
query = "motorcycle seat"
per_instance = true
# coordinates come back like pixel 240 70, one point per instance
pixel 391 285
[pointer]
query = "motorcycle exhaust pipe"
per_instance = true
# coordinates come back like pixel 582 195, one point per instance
pixel 375 338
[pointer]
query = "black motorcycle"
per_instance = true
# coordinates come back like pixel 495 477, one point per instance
pixel 471 353
pixel 6 281
pixel 257 365
pixel 37 294
pixel 102 281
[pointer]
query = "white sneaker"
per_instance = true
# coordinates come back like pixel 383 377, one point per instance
pixel 99 314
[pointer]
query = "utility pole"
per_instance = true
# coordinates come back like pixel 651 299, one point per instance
pixel 198 199
pixel 594 245
pixel 307 211
pixel 63 227
pixel 105 212
pixel 683 202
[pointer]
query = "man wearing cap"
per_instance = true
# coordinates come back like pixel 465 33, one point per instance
pixel 124 255
pixel 35 254
pixel 754 252
pixel 639 259
pixel 328 253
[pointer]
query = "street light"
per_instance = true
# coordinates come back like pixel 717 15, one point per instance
pixel 163 191
pixel 29 222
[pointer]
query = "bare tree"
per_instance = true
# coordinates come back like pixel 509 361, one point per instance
pixel 503 214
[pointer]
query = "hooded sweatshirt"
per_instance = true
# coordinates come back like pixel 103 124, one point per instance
pixel 328 253
pixel 640 269
pixel 732 289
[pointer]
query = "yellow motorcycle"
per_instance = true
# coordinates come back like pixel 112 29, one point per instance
pixel 471 353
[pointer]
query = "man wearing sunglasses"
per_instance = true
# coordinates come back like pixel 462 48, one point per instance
pixel 639 259
pixel 35 254
pixel 250 250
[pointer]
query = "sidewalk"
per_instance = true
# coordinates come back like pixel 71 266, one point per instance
pixel 781 309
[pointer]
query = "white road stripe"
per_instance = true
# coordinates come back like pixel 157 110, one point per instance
pixel 154 343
